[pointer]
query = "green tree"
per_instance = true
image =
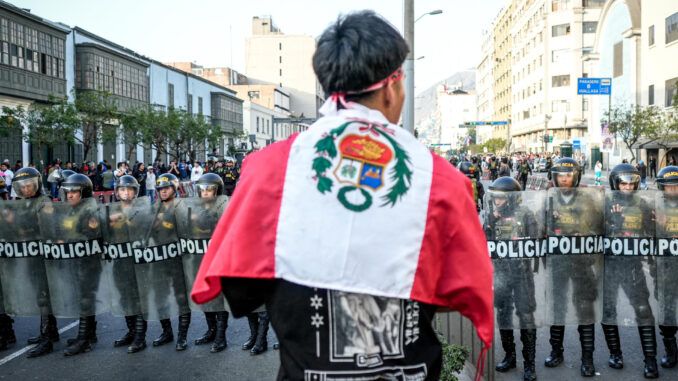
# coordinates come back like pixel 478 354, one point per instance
pixel 98 119
pixel 11 119
pixel 630 123
pixel 495 144
pixel 133 127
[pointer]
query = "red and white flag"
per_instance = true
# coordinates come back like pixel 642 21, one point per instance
pixel 358 205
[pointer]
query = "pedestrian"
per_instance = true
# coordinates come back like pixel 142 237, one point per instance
pixel 54 178
pixel 504 169
pixel 360 278
pixel 140 174
pixel 653 166
pixel 642 169
pixel 582 164
pixel 599 171
pixel 150 183
pixel 9 175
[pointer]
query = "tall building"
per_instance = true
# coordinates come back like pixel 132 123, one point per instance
pixel 659 50
pixel 485 88
pixel 454 107
pixel 550 39
pixel 502 68
pixel 284 60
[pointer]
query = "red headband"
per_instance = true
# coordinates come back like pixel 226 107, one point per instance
pixel 395 76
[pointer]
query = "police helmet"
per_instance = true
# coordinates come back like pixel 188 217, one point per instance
pixel 563 166
pixel 210 181
pixel 667 176
pixel 624 173
pixel 508 188
pixel 229 159
pixel 66 173
pixel 127 181
pixel 76 183
pixel 26 179
pixel 467 168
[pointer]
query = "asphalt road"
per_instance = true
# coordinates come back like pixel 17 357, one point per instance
pixel 154 363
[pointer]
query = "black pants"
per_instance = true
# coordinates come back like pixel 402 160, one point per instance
pixel 653 171
pixel 629 276
pixel 577 272
pixel 514 289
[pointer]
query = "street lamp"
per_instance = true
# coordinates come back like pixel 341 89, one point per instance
pixel 420 58
pixel 408 66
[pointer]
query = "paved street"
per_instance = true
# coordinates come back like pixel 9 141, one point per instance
pixel 162 363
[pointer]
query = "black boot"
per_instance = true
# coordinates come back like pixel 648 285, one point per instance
pixel 208 337
pixel 81 343
pixel 509 346
pixel 556 358
pixel 139 342
pixel 182 331
pixel 614 345
pixel 220 339
pixel 648 341
pixel 6 332
pixel 127 338
pixel 166 336
pixel 587 338
pixel 51 330
pixel 529 339
pixel 669 335
pixel 261 344
pixel 253 321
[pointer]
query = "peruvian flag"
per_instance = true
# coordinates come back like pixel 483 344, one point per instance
pixel 357 205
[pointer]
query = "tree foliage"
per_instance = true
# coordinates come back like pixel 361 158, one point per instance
pixel 630 123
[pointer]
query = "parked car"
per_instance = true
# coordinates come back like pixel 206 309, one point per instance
pixel 542 165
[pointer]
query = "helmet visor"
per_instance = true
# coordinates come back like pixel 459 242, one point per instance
pixel 628 178
pixel 126 192
pixel 27 188
pixel 210 190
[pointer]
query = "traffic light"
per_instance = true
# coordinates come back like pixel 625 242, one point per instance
pixel 545 138
pixel 550 139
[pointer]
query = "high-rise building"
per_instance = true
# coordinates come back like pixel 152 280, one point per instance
pixel 284 60
pixel 485 88
pixel 502 68
pixel 549 40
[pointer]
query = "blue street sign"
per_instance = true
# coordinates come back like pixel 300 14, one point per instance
pixel 576 144
pixel 494 123
pixel 594 86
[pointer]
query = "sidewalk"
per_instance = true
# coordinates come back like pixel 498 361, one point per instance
pixel 589 178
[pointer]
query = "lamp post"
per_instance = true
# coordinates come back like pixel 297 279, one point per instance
pixel 547 117
pixel 408 66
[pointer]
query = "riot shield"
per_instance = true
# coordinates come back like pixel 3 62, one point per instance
pixel 574 255
pixel 119 221
pixel 186 189
pixel 72 248
pixel 22 271
pixel 629 296
pixel 666 207
pixel 196 220
pixel 158 267
pixel 514 228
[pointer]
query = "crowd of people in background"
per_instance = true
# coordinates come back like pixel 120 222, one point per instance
pixel 104 175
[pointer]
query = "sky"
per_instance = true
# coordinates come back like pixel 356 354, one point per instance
pixel 207 31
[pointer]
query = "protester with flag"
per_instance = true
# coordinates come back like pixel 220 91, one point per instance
pixel 352 233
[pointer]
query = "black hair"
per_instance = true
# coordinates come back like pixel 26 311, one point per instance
pixel 357 51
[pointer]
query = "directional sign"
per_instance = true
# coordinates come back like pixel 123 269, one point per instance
pixel 594 86
pixel 576 144
pixel 495 123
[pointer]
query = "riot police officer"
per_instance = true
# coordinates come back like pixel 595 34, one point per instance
pixel 27 184
pixel 523 170
pixel 471 171
pixel 208 187
pixel 514 283
pixel 167 186
pixel 630 216
pixel 231 175
pixel 667 227
pixel 494 166
pixel 74 190
pixel 565 213
pixel 126 190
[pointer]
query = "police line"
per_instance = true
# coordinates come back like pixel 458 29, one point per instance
pixel 84 249
pixel 582 245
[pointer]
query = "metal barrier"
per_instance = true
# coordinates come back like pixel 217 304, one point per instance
pixel 537 183
pixel 458 330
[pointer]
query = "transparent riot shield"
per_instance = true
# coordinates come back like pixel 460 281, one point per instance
pixel 514 228
pixel 119 221
pixel 72 248
pixel 629 296
pixel 666 280
pixel 196 220
pixel 158 267
pixel 574 255
pixel 186 189
pixel 22 269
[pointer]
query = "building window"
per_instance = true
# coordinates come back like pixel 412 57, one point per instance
pixel 281 72
pixel 590 26
pixel 618 59
pixel 280 46
pixel 200 105
pixel 257 124
pixel 170 94
pixel 560 80
pixel 558 5
pixel 279 59
pixel 650 95
pixel 593 3
pixel 650 35
pixel 560 55
pixel 670 87
pixel 253 94
pixel 560 106
pixel 560 30
pixel 585 105
pixel 189 107
pixel 672 28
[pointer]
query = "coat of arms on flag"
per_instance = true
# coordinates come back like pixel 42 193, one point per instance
pixel 361 165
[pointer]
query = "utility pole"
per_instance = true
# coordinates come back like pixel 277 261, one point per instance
pixel 547 117
pixel 408 26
